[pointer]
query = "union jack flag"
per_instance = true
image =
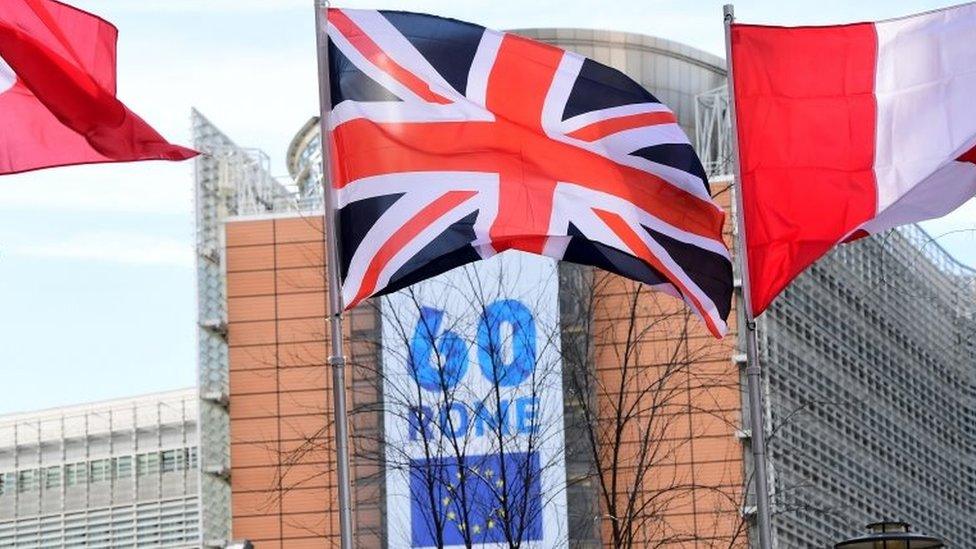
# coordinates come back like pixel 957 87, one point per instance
pixel 452 143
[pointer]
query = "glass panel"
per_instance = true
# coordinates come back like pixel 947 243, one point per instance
pixel 27 480
pixel 123 467
pixel 147 464
pixel 169 461
pixel 75 473
pixel 100 470
pixel 52 478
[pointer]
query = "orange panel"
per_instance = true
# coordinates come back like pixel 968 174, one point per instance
pixel 303 525
pixel 307 500
pixel 249 233
pixel 305 402
pixel 255 479
pixel 310 451
pixel 718 423
pixel 258 529
pixel 253 454
pixel 301 330
pixel 301 305
pixel 245 406
pixel 302 354
pixel 250 258
pixel 717 448
pixel 299 229
pixel 300 254
pixel 250 283
pixel 244 382
pixel 304 378
pixel 302 280
pixel 256 503
pixel 314 543
pixel 309 427
pixel 252 357
pixel 250 333
pixel 259 430
pixel 307 476
pixel 243 309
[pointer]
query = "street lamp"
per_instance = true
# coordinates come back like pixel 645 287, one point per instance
pixel 891 535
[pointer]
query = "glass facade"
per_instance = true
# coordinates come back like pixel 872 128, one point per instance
pixel 112 474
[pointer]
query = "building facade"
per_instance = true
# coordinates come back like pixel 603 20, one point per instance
pixel 870 375
pixel 279 432
pixel 868 362
pixel 119 473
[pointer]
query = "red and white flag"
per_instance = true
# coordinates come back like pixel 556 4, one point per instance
pixel 850 130
pixel 57 92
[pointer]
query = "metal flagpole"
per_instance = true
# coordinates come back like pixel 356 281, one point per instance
pixel 336 357
pixel 753 367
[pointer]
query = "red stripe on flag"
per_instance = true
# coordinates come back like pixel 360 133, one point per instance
pixel 517 88
pixel 370 50
pixel 636 244
pixel 806 115
pixel 603 128
pixel 371 149
pixel 969 156
pixel 423 219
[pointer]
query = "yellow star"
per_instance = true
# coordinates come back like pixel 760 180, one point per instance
pixel 461 527
pixel 451 515
pixel 445 501
pixel 491 523
pixel 476 529
pixel 457 474
pixel 489 473
pixel 499 483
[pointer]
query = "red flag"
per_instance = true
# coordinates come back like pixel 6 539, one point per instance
pixel 57 92
pixel 850 130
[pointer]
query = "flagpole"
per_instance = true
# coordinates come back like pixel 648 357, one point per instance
pixel 753 366
pixel 336 357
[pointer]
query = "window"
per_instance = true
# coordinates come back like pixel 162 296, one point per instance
pixel 123 467
pixel 147 464
pixel 101 470
pixel 169 461
pixel 27 480
pixel 75 473
pixel 52 478
pixel 191 458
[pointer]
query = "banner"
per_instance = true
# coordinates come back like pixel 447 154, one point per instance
pixel 473 413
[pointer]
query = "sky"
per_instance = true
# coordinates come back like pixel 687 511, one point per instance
pixel 97 281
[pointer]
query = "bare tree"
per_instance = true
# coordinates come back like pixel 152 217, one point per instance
pixel 643 382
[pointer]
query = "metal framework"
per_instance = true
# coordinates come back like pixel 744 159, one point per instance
pixel 109 474
pixel 229 181
pixel 713 131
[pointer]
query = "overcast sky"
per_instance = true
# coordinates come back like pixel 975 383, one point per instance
pixel 97 286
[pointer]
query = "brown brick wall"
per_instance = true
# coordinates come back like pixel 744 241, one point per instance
pixel 282 454
pixel 281 440
pixel 681 393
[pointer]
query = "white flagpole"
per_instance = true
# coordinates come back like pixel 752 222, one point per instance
pixel 336 357
pixel 753 367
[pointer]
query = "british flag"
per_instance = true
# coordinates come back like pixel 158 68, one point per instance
pixel 452 143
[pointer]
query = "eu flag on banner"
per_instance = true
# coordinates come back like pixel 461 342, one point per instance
pixel 491 497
